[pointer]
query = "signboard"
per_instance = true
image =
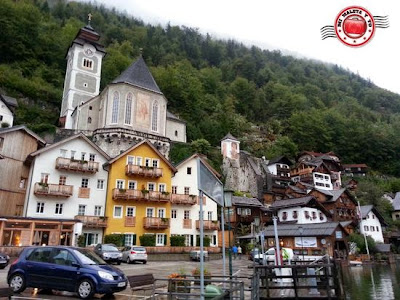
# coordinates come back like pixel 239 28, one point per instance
pixel 309 242
pixel 209 184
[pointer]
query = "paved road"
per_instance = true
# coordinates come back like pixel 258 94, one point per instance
pixel 160 269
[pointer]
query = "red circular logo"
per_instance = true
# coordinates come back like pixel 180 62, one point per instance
pixel 354 26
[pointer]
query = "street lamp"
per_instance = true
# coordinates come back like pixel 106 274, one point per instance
pixel 228 204
pixel 301 237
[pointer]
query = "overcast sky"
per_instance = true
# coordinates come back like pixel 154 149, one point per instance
pixel 289 25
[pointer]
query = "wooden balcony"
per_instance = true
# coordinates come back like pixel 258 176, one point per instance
pixel 82 166
pixel 130 221
pixel 93 221
pixel 134 170
pixel 155 223
pixel 123 194
pixel 53 190
pixel 296 172
pixel 208 225
pixel 183 199
pixel 187 223
pixel 84 193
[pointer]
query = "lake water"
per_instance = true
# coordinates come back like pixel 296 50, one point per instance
pixel 381 282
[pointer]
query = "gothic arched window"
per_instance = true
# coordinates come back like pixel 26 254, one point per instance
pixel 154 121
pixel 115 108
pixel 89 120
pixel 128 109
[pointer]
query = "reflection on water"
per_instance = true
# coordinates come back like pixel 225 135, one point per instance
pixel 379 282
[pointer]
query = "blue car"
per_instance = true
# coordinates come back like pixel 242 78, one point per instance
pixel 66 269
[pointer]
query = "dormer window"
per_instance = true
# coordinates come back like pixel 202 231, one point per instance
pixel 87 63
pixel 307 214
pixel 294 214
pixel 314 215
pixel 284 215
pixel 321 216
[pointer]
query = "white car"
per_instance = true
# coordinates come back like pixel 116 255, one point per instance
pixel 131 254
pixel 269 256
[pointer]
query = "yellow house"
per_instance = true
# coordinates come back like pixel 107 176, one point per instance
pixel 139 193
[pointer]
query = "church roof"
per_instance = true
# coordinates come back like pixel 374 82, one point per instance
pixel 229 136
pixel 88 35
pixel 138 74
pixel 171 116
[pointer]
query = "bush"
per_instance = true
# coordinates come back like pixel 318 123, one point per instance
pixel 5 125
pixel 116 239
pixel 177 240
pixel 206 241
pixel 81 241
pixel 148 240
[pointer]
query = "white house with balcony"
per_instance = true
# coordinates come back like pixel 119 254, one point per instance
pixel 371 223
pixel 322 181
pixel 185 210
pixel 305 210
pixel 67 181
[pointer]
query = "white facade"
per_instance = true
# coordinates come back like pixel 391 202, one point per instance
pixel 82 78
pixel 88 190
pixel 6 115
pixel 230 148
pixel 176 131
pixel 182 180
pixel 371 226
pixel 273 169
pixel 322 181
pixel 302 215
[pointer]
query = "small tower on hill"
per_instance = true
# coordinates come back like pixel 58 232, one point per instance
pixel 230 147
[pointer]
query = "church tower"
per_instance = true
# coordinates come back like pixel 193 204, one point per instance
pixel 83 74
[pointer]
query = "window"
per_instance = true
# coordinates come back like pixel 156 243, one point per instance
pixel 147 162
pixel 132 185
pixel 100 184
pixel 1 118
pixel 189 170
pixel 176 132
pixel 186 214
pixel 87 63
pixel 151 186
pixel 314 215
pixel 373 216
pixel 44 178
pixel 120 184
pixel 130 211
pixel 97 210
pixel 130 239
pixel 161 212
pixel 1 143
pixel 155 163
pixel 149 212
pixel 115 108
pixel 284 215
pixel 307 214
pixel 209 215
pixel 89 120
pixel 73 154
pixel 187 190
pixel 92 157
pixel 366 228
pixel 377 228
pixel 162 187
pixel 81 210
pixel 63 153
pixel 40 208
pixel 128 109
pixel 117 211
pixel 294 214
pixel 59 209
pixel 85 182
pixel 174 189
pixel 372 228
pixel 90 108
pixel 138 161
pixel 91 238
pixel 173 214
pixel 22 183
pixel 160 239
pixel 62 180
pixel 130 160
pixel 321 216
pixel 154 121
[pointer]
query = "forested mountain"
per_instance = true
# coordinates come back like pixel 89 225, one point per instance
pixel 275 104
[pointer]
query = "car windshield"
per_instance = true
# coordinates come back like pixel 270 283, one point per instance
pixel 88 257
pixel 109 248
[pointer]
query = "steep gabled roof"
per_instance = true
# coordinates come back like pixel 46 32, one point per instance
pixel 335 194
pixel 136 146
pixel 138 74
pixel 229 136
pixel 9 101
pixel 365 209
pixel 205 162
pixel 23 128
pixel 76 136
pixel 308 201
pixel 246 202
pixel 280 159
pixel 171 116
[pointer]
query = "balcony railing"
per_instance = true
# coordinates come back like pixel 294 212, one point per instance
pixel 83 166
pixel 93 221
pixel 132 170
pixel 295 172
pixel 187 223
pixel 208 225
pixel 130 221
pixel 155 223
pixel 183 199
pixel 53 190
pixel 123 194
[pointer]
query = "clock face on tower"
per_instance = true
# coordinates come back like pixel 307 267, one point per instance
pixel 88 52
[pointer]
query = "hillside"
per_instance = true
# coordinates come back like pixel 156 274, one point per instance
pixel 276 104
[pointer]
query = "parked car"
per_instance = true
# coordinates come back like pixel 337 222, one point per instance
pixel 253 252
pixel 65 268
pixel 269 256
pixel 109 252
pixel 195 255
pixel 131 254
pixel 4 260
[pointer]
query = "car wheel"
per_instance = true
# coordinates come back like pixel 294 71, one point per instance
pixel 118 262
pixel 85 289
pixel 145 262
pixel 128 260
pixel 17 283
